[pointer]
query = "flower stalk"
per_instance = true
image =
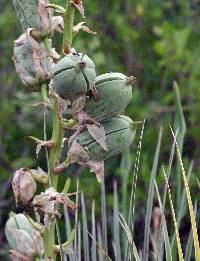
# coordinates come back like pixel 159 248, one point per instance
pixel 58 132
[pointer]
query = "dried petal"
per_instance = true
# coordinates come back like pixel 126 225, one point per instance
pixel 83 27
pixel 39 175
pixel 48 202
pixel 78 104
pixel 24 185
pixel 85 118
pixel 63 199
pixel 38 55
pixel 77 153
pixel 79 6
pixel 48 144
pixel 45 14
pixel 97 168
pixel 99 134
pixel 38 244
pixel 57 24
pixel 16 256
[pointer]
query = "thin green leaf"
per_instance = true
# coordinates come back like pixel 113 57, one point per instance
pixel 164 229
pixel 129 237
pixel 85 229
pixel 99 237
pixel 150 200
pixel 125 168
pixel 188 250
pixel 189 200
pixel 180 252
pixel 93 247
pixel 181 126
pixel 76 222
pixel 133 190
pixel 116 227
pixel 182 208
pixel 104 216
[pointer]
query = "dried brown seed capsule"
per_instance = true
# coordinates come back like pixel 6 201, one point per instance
pixel 119 135
pixel 32 64
pixel 114 91
pixel 73 75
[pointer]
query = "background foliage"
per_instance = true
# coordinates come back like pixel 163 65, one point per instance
pixel 156 41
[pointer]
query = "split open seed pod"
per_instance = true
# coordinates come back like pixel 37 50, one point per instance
pixel 73 75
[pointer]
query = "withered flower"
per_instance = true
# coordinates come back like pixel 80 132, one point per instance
pixel 49 202
pixel 24 185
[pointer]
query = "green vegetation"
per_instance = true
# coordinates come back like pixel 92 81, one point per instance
pixel 158 42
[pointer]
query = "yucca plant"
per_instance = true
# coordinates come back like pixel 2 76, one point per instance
pixel 80 103
pixel 83 104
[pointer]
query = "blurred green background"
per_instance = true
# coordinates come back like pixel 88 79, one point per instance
pixel 156 41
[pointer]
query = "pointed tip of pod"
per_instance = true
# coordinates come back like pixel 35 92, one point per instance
pixel 131 80
pixel 81 65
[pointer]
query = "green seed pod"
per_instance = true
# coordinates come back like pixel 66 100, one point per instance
pixel 115 91
pixel 73 75
pixel 31 64
pixel 119 136
pixel 19 233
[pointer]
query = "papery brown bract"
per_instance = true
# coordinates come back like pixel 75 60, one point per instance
pixel 24 185
pixel 39 175
pixel 78 4
pixel 48 202
pixel 99 134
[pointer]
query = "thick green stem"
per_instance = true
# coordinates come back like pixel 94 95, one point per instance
pixel 68 28
pixel 57 133
pixel 57 138
pixel 49 242
pixel 44 92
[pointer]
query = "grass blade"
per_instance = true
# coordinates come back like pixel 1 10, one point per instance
pixel 164 229
pixel 188 250
pixel 79 241
pixel 150 200
pixel 93 247
pixel 133 190
pixel 125 168
pixel 180 252
pixel 76 221
pixel 189 200
pixel 116 227
pixel 68 228
pixel 100 248
pixel 99 237
pixel 160 244
pixel 104 216
pixel 129 237
pixel 181 126
pixel 85 229
pixel 182 204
